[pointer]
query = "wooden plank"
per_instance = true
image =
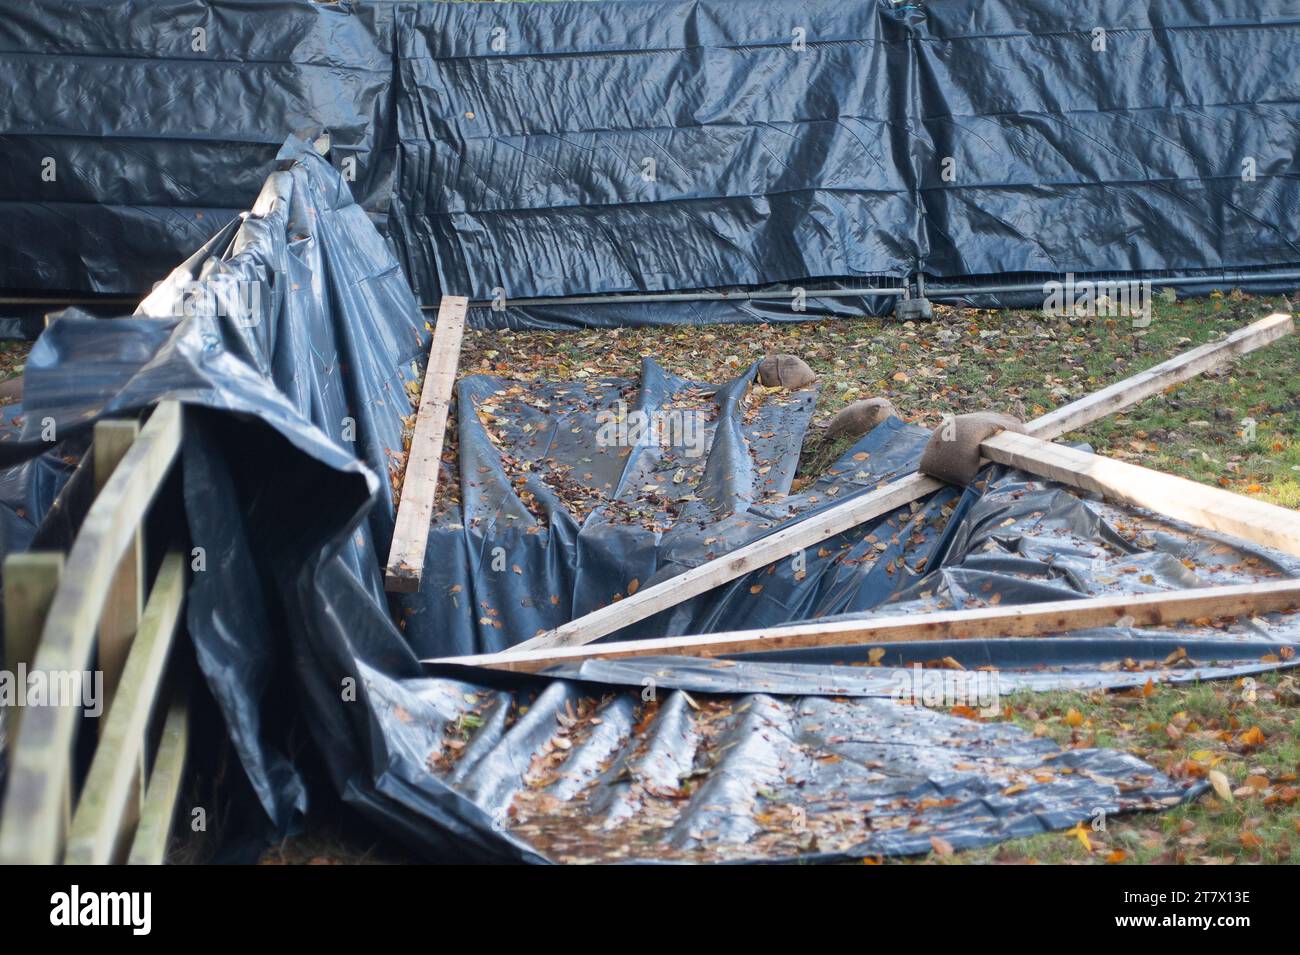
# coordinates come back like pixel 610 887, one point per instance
pixel 863 508
pixel 1200 505
pixel 405 567
pixel 753 556
pixel 154 831
pixel 31 828
pixel 125 602
pixel 106 798
pixel 1026 620
pixel 1161 377
pixel 30 582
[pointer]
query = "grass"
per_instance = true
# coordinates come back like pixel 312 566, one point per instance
pixel 13 358
pixel 1239 429
pixel 1249 734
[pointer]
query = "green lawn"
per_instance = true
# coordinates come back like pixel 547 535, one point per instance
pixel 13 357
pixel 1251 738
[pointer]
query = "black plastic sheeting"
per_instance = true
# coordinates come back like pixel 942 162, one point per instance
pixel 1018 541
pixel 552 519
pixel 158 135
pixel 583 774
pixel 579 148
pixel 295 397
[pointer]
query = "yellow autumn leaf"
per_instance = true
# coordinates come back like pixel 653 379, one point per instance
pixel 1220 784
pixel 1080 833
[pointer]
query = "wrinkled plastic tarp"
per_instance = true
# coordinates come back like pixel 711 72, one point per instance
pixel 586 775
pixel 131 131
pixel 576 148
pixel 554 512
pixel 295 397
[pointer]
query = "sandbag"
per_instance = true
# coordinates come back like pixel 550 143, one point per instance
pixel 785 371
pixel 953 452
pixel 860 417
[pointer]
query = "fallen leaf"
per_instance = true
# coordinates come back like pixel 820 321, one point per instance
pixel 1220 784
pixel 1253 737
pixel 1080 833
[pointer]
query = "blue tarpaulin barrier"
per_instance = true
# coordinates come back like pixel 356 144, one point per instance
pixel 558 149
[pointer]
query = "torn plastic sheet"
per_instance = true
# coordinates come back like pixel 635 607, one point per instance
pixel 534 472
pixel 646 513
pixel 1014 541
pixel 574 494
pixel 745 773
pixel 294 401
pixel 740 675
pixel 582 774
